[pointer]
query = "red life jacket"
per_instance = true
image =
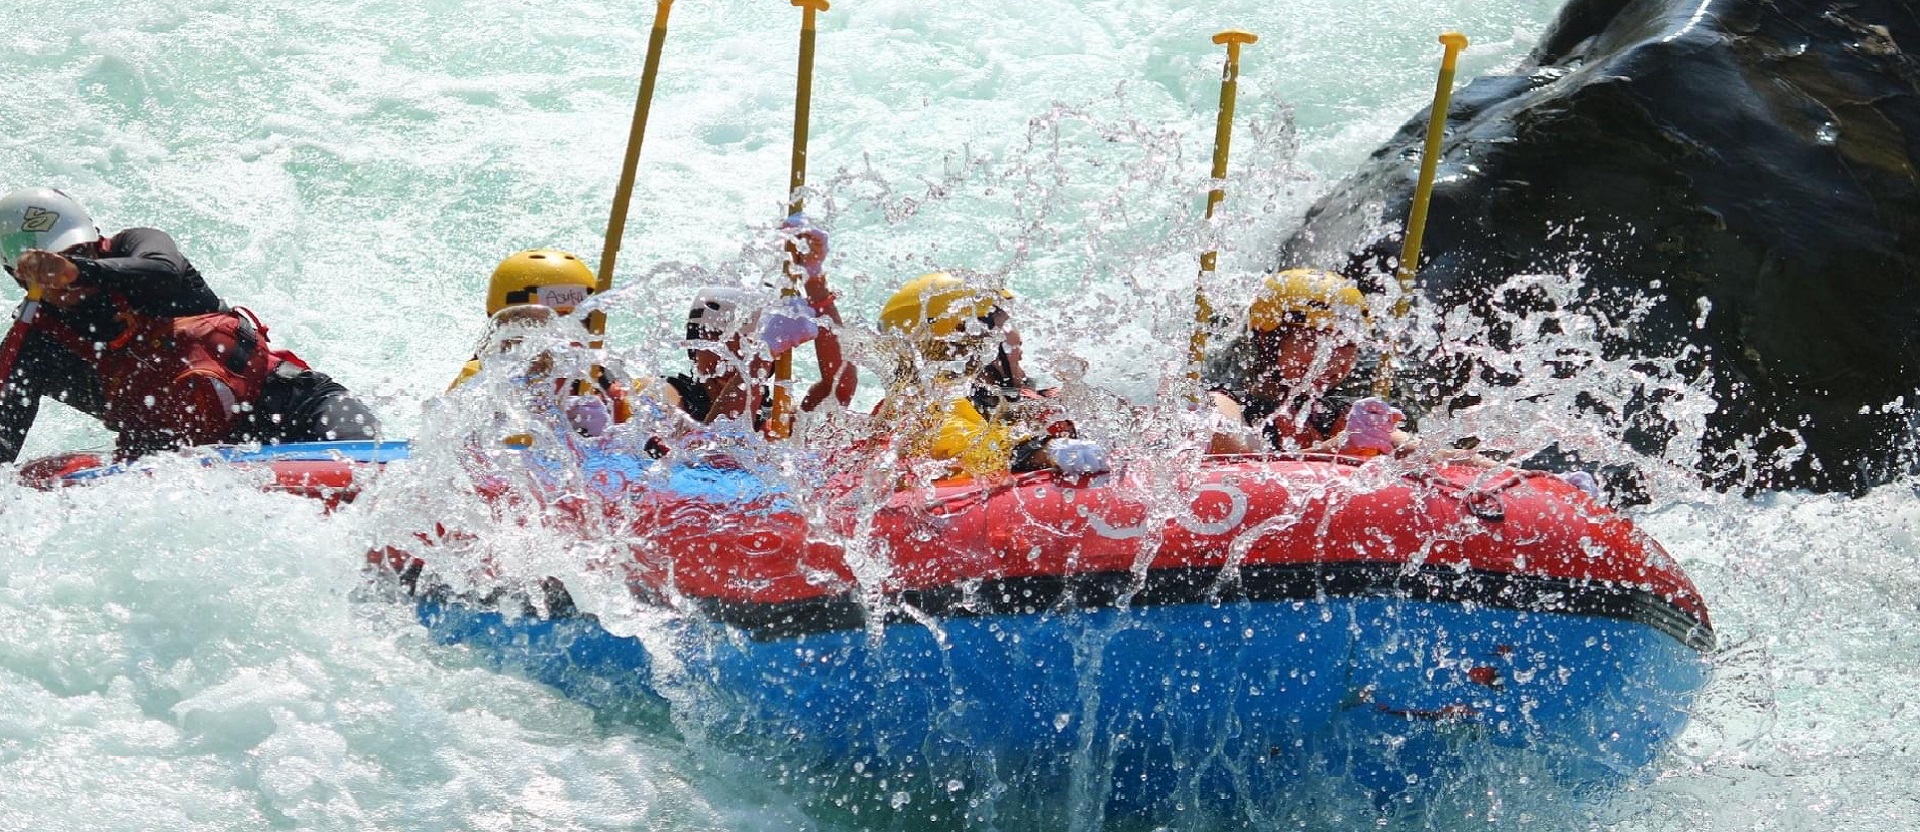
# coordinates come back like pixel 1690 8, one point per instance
pixel 179 381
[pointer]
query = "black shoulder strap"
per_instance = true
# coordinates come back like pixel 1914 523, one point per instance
pixel 693 397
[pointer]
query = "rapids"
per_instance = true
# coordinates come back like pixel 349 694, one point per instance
pixel 181 651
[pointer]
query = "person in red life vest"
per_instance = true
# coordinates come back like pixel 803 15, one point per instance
pixel 727 378
pixel 731 344
pixel 1288 383
pixel 133 336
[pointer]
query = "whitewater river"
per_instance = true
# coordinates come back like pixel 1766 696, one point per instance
pixel 183 652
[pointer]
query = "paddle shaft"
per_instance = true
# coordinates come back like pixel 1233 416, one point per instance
pixel 1222 146
pixel 780 425
pixel 617 221
pixel 1429 162
pixel 1422 197
pixel 803 103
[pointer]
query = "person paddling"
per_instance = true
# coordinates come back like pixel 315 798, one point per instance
pixel 731 344
pixel 959 392
pixel 133 336
pixel 728 341
pixel 1287 382
pixel 526 294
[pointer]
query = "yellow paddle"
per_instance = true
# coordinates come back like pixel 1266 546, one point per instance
pixel 1429 160
pixel 1422 196
pixel 617 223
pixel 780 426
pixel 1222 142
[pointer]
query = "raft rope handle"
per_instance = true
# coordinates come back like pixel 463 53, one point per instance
pixel 1482 498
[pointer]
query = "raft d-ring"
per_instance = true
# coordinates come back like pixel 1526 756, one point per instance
pixel 1485 505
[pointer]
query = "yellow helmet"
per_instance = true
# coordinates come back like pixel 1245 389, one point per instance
pixel 542 276
pixel 938 306
pixel 1314 298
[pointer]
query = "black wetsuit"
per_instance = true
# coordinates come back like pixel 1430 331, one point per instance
pixel 1323 414
pixel 697 403
pixel 694 400
pixel 143 269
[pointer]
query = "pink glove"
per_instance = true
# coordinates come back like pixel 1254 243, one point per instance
pixel 1370 427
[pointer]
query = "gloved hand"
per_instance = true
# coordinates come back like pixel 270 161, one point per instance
pixel 1370 427
pixel 1078 457
pixel 589 415
pixel 807 248
pixel 53 274
pixel 788 324
pixel 1583 481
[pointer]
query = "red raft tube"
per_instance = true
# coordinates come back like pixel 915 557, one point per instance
pixel 332 472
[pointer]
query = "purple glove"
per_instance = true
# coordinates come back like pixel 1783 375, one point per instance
pixel 589 415
pixel 1370 426
pixel 787 325
pixel 1078 457
pixel 1583 481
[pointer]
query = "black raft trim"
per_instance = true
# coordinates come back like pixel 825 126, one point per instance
pixel 1261 583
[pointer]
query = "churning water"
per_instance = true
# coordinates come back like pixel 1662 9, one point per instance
pixel 181 651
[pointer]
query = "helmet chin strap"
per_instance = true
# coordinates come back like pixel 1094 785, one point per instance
pixel 1000 370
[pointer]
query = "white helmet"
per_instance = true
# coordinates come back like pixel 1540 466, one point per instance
pixel 720 311
pixel 42 218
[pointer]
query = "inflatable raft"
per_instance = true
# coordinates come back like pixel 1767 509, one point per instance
pixel 1256 623
pixel 1219 635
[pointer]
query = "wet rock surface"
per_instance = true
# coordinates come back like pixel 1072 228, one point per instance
pixel 1747 166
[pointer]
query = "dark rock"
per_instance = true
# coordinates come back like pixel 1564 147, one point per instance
pixel 1759 155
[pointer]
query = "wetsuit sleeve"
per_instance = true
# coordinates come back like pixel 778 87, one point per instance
pixel 146 267
pixel 1328 414
pixel 43 369
pixel 19 405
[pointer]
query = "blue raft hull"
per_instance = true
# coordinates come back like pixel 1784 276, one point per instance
pixel 1249 700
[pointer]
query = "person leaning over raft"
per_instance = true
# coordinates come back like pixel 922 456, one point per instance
pixel 729 375
pixel 1285 383
pixel 133 336
pixel 959 393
